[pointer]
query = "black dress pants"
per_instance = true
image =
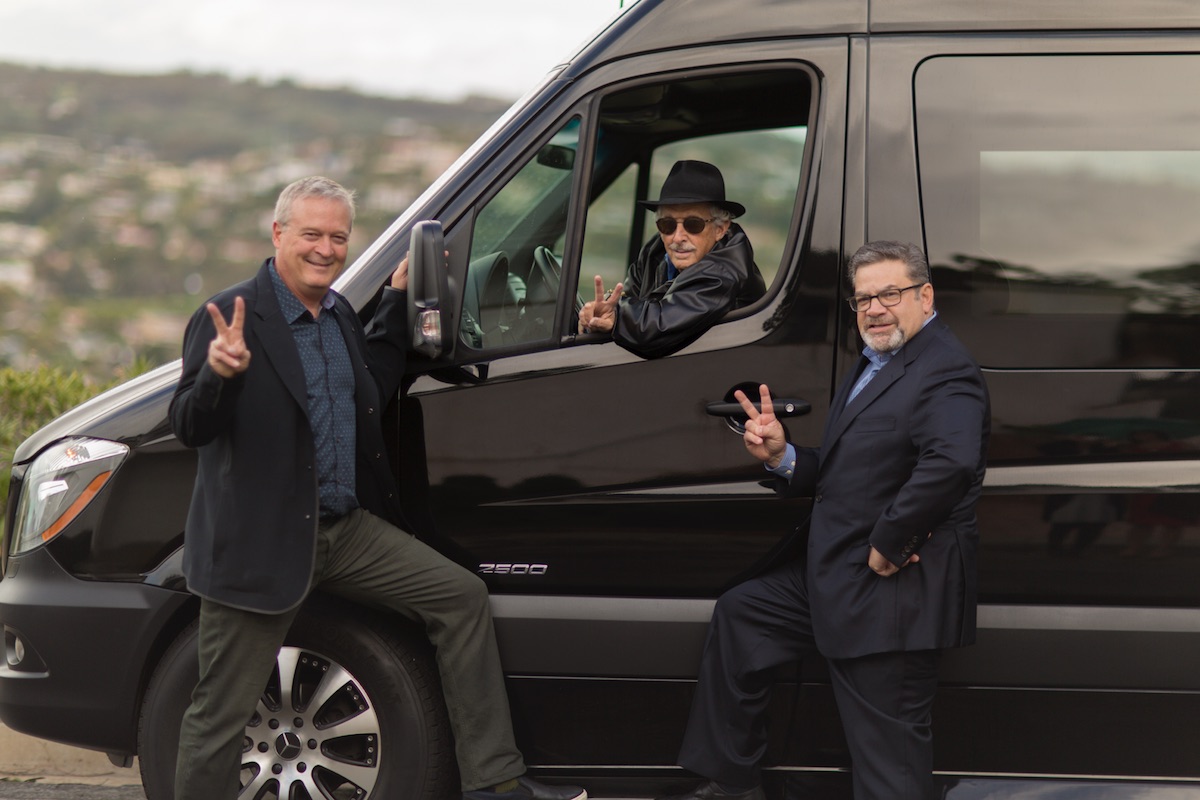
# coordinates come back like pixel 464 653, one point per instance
pixel 885 699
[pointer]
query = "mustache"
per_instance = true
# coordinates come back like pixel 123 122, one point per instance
pixel 882 315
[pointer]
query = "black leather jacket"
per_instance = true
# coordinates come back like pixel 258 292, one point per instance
pixel 657 317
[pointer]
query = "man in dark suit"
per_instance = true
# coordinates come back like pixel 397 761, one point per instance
pixel 889 576
pixel 282 394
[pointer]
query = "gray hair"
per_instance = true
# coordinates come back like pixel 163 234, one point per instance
pixel 313 186
pixel 721 215
pixel 874 252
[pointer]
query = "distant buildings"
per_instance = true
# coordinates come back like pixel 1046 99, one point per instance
pixel 83 228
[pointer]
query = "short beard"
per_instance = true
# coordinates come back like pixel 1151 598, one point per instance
pixel 894 341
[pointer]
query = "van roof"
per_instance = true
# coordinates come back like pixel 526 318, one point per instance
pixel 650 25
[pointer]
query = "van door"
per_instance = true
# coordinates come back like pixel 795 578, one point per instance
pixel 564 469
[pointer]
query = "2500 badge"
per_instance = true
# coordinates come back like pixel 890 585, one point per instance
pixel 513 569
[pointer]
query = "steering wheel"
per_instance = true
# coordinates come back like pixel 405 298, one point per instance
pixel 545 278
pixel 541 295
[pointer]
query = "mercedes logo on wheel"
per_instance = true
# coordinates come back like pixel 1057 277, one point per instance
pixel 288 745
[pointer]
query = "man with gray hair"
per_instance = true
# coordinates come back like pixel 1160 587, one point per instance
pixel 699 267
pixel 282 394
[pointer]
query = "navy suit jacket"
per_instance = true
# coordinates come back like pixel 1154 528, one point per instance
pixel 903 461
pixel 250 536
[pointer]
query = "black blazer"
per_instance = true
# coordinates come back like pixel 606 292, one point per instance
pixel 904 460
pixel 250 537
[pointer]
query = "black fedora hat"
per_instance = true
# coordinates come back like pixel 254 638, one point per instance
pixel 694 182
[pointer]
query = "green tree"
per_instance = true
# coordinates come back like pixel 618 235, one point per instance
pixel 30 399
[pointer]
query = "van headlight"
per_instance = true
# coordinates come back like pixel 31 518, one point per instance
pixel 58 486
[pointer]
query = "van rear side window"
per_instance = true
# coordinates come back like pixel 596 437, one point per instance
pixel 1062 222
pixel 1060 196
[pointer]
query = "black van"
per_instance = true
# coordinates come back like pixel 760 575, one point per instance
pixel 1047 157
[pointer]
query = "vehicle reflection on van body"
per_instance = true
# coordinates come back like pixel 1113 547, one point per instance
pixel 1043 155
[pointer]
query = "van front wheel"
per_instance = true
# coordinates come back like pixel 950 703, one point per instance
pixel 349 712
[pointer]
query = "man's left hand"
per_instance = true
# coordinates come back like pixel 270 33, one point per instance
pixel 884 568
pixel 400 276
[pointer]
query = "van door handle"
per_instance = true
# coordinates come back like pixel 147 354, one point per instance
pixel 735 415
pixel 783 408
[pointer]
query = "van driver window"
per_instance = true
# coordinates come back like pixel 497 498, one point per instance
pixel 695 183
pixel 717 157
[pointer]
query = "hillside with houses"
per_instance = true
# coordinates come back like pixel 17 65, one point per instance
pixel 125 200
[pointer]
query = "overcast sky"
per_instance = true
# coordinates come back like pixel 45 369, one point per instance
pixel 444 49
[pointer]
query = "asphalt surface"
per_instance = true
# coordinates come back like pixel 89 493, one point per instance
pixel 11 789
pixel 28 790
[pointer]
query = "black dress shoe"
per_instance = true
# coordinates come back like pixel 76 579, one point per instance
pixel 709 790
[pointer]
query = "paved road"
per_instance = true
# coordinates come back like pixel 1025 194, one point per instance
pixel 11 789
pixel 28 790
pixel 32 790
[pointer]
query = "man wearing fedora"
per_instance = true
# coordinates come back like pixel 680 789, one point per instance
pixel 699 267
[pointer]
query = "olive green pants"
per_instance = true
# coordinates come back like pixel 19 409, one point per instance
pixel 363 558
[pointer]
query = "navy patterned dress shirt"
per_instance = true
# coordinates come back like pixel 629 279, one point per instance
pixel 329 377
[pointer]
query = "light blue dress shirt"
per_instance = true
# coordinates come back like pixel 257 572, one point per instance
pixel 877 362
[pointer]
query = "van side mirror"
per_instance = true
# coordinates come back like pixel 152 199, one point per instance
pixel 429 300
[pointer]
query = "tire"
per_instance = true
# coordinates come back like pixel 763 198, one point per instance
pixel 366 719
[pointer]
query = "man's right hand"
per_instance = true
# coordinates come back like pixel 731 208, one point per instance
pixel 227 353
pixel 764 436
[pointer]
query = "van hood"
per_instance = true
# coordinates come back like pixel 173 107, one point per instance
pixel 133 413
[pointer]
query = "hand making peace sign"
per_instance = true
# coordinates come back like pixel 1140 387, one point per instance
pixel 227 353
pixel 764 436
pixel 600 315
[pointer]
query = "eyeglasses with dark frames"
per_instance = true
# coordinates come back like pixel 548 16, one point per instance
pixel 693 225
pixel 887 298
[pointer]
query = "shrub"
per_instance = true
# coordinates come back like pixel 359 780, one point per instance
pixel 31 398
